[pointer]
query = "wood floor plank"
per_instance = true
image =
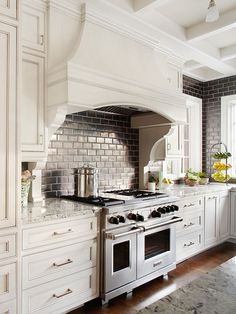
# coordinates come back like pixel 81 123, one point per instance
pixel 152 291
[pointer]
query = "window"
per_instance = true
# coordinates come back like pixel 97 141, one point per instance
pixel 228 128
pixel 192 136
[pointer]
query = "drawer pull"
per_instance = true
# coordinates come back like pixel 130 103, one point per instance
pixel 189 225
pixel 189 205
pixel 157 264
pixel 55 233
pixel 41 40
pixel 189 244
pixel 212 197
pixel 68 291
pixel 69 261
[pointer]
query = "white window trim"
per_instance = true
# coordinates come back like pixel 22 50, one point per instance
pixel 226 120
pixel 195 150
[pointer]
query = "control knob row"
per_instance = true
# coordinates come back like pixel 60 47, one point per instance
pixel 116 219
pixel 136 217
pixel 164 210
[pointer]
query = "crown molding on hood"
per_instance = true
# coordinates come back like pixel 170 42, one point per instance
pixel 114 64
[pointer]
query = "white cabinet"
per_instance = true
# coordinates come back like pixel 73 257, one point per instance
pixel 7 246
pixel 8 307
pixel 224 215
pixel 211 219
pixel 174 142
pixel 8 8
pixel 190 232
pixel 233 214
pixel 8 156
pixel 33 104
pixel 33 28
pixel 61 295
pixel 7 282
pixel 33 101
pixel 175 77
pixel 60 265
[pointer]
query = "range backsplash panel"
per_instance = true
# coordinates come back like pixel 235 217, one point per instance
pixel 104 141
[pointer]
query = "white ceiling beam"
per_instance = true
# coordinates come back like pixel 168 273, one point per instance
pixel 228 53
pixel 189 68
pixel 205 30
pixel 140 5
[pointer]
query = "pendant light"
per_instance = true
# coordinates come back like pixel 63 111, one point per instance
pixel 212 12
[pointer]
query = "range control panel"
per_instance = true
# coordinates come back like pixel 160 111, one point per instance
pixel 146 214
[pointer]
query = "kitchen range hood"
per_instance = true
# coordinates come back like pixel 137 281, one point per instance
pixel 112 64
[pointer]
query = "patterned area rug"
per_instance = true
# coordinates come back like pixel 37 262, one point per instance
pixel 212 293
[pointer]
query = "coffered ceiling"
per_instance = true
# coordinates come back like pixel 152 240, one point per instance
pixel 209 49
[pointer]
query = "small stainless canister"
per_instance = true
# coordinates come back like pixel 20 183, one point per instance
pixel 87 182
pixel 91 182
pixel 81 182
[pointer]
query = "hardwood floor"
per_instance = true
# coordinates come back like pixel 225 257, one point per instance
pixel 160 287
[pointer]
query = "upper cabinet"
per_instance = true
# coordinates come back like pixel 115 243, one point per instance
pixel 33 98
pixel 32 111
pixel 175 77
pixel 33 28
pixel 8 134
pixel 174 142
pixel 8 8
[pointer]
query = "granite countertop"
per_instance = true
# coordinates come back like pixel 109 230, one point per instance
pixel 55 209
pixel 182 190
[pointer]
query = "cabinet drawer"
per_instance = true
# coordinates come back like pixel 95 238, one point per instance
pixel 33 28
pixel 59 232
pixel 7 282
pixel 50 265
pixel 7 246
pixel 188 245
pixel 8 8
pixel 59 295
pixel 8 307
pixel 191 203
pixel 192 221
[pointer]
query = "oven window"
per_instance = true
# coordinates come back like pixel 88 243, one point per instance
pixel 157 243
pixel 121 255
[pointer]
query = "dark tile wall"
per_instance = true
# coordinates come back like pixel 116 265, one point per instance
pixel 192 87
pixel 102 140
pixel 211 93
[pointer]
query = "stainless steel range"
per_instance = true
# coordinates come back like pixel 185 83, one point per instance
pixel 137 238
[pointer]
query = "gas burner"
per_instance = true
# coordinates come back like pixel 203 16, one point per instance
pixel 137 193
pixel 97 201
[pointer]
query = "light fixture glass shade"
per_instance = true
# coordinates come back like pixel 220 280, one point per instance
pixel 212 12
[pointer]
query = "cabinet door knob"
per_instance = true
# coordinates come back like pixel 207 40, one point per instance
pixel 41 40
pixel 168 146
pixel 40 139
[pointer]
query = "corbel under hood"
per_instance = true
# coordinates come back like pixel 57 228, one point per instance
pixel 111 65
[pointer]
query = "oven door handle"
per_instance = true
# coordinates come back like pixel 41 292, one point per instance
pixel 169 222
pixel 112 236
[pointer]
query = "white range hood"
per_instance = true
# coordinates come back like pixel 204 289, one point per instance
pixel 112 64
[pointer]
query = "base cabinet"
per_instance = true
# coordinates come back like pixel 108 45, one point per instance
pixel 60 266
pixel 233 214
pixel 61 295
pixel 8 307
pixel 211 223
pixel 224 216
pixel 206 222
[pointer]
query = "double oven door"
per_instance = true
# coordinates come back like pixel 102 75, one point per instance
pixel 156 248
pixel 130 254
pixel 120 255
